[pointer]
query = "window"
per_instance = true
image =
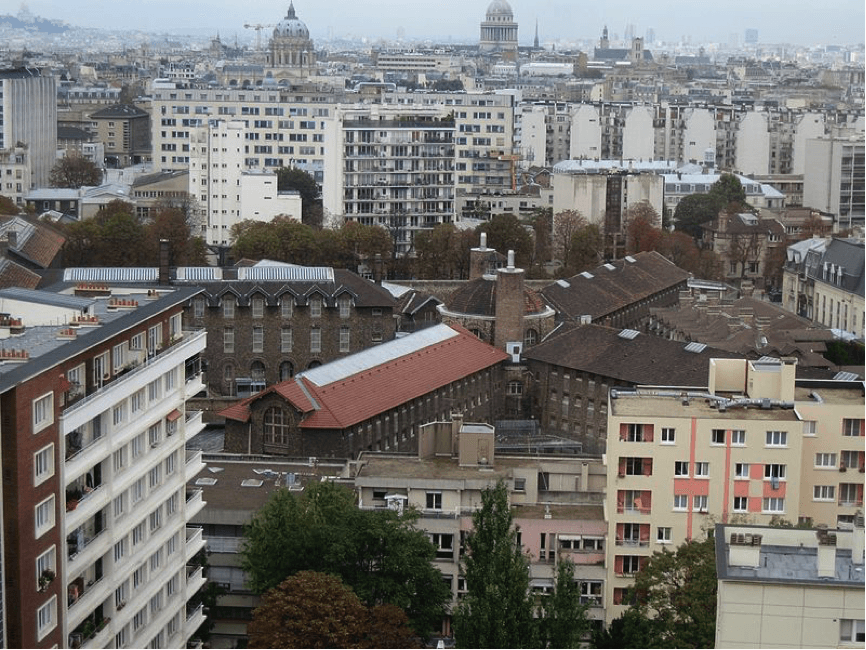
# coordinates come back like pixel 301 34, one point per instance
pixel 630 564
pixel 699 502
pixel 43 412
pixel 593 544
pixel 43 464
pixel 276 426
pixel 848 494
pixel 228 340
pixel 344 339
pixel 258 339
pixel 154 477
pixel 825 460
pixel 519 484
pixel 668 435
pixel 681 502
pixel 777 438
pixel 171 544
pixel 168 380
pixel 853 459
pixel 139 619
pixel 153 390
pixel 229 306
pixel 119 505
pixel 315 339
pixel 315 307
pixel 591 592
pixel 741 504
pixel 663 535
pixel 810 428
pixel 155 561
pixel 121 549
pixel 44 516
pixel 138 577
pixel 345 303
pixel 741 470
pixel 514 388
pixel 154 338
pixel 702 470
pixel 774 504
pixel 774 470
pixel 46 618
pixel 171 504
pixel 824 493
pixel 198 307
pixel 171 464
pixel 851 629
pixel 258 307
pixel 286 339
pixel 287 304
pixel 137 401
pixel 138 533
pixel 137 445
pixel 718 436
pixel 156 519
pixel 738 437
pixel 852 427
pixel 636 432
pixel 681 468
pixel 118 414
pixel 444 543
pixel 154 434
pixel 138 490
pixel 434 501
pixel 46 562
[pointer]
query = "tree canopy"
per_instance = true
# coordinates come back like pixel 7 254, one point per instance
pixel 316 610
pixel 381 555
pixel 674 602
pixel 7 206
pixel 562 620
pixel 294 179
pixel 505 233
pixel 75 171
pixel 727 193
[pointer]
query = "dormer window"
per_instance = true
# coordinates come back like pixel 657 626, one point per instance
pixel 345 303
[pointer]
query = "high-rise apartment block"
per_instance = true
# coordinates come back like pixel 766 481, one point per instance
pixel 96 547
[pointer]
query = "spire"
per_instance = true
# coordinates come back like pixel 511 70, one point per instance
pixel 536 34
pixel 291 15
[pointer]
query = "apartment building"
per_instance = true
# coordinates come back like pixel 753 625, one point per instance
pixel 226 190
pixel 833 181
pixel 556 502
pixel 755 447
pixel 392 167
pixel 789 587
pixel 28 120
pixel 124 130
pixel 97 549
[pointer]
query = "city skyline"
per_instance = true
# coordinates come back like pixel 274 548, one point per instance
pixel 801 23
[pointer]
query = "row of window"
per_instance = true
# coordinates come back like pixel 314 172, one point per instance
pixel 287 339
pixel 258 304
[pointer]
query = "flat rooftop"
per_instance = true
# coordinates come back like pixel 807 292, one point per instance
pixel 645 404
pixel 782 564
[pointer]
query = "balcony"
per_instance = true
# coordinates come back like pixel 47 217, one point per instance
pixel 86 591
pixel 194 579
pixel 92 632
pixel 194 617
pixel 633 542
pixel 194 541
pixel 80 543
pixel 224 544
pixel 194 503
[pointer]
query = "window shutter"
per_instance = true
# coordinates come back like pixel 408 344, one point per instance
pixel 647 466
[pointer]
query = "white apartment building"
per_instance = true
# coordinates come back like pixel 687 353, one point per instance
pixel 226 190
pixel 93 386
pixel 834 180
pixel 28 115
pixel 392 167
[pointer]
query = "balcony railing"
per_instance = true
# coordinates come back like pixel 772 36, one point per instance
pixel 224 544
pixel 631 542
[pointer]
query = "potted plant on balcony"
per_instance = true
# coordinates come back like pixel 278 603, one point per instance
pixel 45 579
pixel 73 496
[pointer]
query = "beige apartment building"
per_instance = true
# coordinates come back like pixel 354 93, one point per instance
pixel 789 588
pixel 755 447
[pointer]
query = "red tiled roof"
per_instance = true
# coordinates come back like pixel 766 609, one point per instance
pixel 15 275
pixel 353 399
pixel 43 245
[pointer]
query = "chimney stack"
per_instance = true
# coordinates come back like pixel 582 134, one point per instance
pixel 510 305
pixel 163 262
pixel 479 259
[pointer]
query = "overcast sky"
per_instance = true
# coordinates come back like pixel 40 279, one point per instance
pixel 803 22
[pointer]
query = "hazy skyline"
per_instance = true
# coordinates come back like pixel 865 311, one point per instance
pixel 801 22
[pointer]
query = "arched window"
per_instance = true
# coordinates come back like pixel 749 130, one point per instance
pixel 276 427
pixel 257 371
pixel 530 337
pixel 287 370
pixel 477 332
pixel 314 364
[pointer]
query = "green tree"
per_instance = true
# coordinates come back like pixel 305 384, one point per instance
pixel 586 248
pixel 382 556
pixel 504 233
pixel 75 171
pixel 693 211
pixel 629 630
pixel 678 591
pixel 294 179
pixel 316 610
pixel 7 206
pixel 562 618
pixel 727 190
pixel 497 610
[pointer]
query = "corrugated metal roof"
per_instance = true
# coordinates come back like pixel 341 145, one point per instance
pixel 199 273
pixel 287 273
pixel 111 274
pixel 46 298
pixel 376 356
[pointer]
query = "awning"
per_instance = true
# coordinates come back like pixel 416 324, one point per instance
pixel 174 415
pixel 568 538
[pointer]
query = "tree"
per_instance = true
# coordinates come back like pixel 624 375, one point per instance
pixel 172 224
pixel 294 179
pixel 586 248
pixel 562 618
pixel 504 233
pixel 497 610
pixel 566 225
pixel 75 171
pixel 7 206
pixel 381 555
pixel 693 211
pixel 641 232
pixel 678 591
pixel 629 630
pixel 727 190
pixel 541 224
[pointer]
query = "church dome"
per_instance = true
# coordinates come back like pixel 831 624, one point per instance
pixel 291 26
pixel 499 9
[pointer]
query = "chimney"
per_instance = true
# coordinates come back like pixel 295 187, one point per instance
pixel 377 269
pixel 479 259
pixel 826 554
pixel 163 262
pixel 12 238
pixel 510 305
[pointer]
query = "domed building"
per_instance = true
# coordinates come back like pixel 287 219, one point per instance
pixel 495 304
pixel 499 31
pixel 291 53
